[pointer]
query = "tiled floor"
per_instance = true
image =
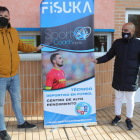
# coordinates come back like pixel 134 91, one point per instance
pixel 103 131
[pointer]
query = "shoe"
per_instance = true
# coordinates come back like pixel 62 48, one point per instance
pixel 4 135
pixel 26 125
pixel 129 124
pixel 116 120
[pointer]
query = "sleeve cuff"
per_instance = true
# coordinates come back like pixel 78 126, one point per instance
pixel 35 49
pixel 97 60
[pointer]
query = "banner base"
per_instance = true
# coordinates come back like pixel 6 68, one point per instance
pixel 86 127
pixel 53 129
pixel 70 125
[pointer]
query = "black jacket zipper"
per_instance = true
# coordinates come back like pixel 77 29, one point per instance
pixel 10 54
pixel 123 63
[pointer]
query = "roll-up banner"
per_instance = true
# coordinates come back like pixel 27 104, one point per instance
pixel 67 32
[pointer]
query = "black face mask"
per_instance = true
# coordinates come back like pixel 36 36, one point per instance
pixel 126 36
pixel 3 21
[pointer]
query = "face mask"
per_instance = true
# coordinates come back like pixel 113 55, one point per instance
pixel 3 21
pixel 126 35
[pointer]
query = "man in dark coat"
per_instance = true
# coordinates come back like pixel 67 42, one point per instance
pixel 126 68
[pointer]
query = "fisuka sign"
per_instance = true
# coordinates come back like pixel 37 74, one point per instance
pixel 66 7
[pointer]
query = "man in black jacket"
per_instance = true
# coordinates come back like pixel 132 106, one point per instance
pixel 126 68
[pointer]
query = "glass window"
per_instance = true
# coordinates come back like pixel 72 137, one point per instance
pixel 136 20
pixel 31 38
pixel 134 17
pixel 100 43
pixel 102 40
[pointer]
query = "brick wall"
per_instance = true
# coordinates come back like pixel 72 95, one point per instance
pixel 120 8
pixel 28 13
pixel 32 94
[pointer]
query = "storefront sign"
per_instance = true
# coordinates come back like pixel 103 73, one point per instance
pixel 29 40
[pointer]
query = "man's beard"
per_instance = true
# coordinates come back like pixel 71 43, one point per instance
pixel 59 65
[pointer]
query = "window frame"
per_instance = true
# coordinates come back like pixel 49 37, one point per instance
pixel 34 42
pixel 109 42
pixel 37 56
pixel 29 56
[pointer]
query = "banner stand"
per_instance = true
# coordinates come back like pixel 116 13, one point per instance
pixel 71 125
pixel 86 127
pixel 67 34
pixel 53 129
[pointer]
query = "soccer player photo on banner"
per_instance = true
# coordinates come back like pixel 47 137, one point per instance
pixel 67 32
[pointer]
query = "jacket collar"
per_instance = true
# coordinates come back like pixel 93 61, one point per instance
pixel 4 30
pixel 129 40
pixel 132 38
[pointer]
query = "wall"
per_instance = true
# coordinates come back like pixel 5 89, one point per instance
pixel 32 94
pixel 104 14
pixel 26 13
pixel 120 8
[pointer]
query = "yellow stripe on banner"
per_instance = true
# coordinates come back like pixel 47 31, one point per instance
pixel 62 80
pixel 48 88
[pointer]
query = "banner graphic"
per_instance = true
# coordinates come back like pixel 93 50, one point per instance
pixel 67 32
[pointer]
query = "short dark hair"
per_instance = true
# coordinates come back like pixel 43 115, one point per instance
pixel 53 56
pixel 3 9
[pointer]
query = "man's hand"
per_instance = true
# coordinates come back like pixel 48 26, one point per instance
pixel 95 61
pixel 39 47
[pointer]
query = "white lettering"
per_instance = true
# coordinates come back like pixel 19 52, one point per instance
pixel 43 8
pixel 57 7
pixel 87 5
pixel 71 7
pixel 51 8
pixel 64 6
pixel 76 7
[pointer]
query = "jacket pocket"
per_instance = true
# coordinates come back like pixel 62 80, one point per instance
pixel 131 80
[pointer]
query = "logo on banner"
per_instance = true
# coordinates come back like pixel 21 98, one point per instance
pixel 82 33
pixel 68 38
pixel 83 109
pixel 66 7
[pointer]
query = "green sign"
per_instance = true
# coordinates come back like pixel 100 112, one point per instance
pixel 30 40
